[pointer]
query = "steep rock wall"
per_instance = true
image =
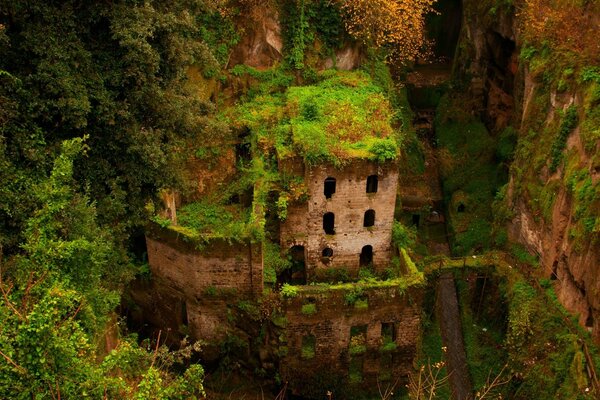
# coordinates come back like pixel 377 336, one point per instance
pixel 543 207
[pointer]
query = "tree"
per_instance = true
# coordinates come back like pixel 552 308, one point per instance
pixel 56 298
pixel 396 25
pixel 115 71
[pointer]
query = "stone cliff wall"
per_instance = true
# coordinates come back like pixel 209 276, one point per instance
pixel 511 94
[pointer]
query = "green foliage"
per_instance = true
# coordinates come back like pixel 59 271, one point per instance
pixel 289 291
pixel 209 220
pixel 352 296
pixel 523 255
pixel 506 144
pixel 114 71
pixel 58 293
pixel 313 120
pixel 273 262
pixel 568 123
pixel 403 237
pixel 306 21
pixel 469 170
pixel 308 347
pixel 309 309
pixel 219 33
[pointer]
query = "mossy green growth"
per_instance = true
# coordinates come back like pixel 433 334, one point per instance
pixel 343 117
pixel 309 309
pixel 470 171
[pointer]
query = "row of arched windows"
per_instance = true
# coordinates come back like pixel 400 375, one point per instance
pixel 330 184
pixel 329 221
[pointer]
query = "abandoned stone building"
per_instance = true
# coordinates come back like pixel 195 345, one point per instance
pixel 347 222
pixel 211 263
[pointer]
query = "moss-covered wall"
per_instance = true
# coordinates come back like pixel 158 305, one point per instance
pixel 359 337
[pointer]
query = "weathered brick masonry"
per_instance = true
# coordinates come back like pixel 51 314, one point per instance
pixel 331 327
pixel 349 203
pixel 198 277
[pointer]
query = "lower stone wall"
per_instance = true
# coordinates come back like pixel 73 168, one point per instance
pixel 325 318
pixel 219 265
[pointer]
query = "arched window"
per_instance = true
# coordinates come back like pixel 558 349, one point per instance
pixel 461 208
pixel 369 218
pixel 366 256
pixel 372 182
pixel 327 252
pixel 329 223
pixel 329 187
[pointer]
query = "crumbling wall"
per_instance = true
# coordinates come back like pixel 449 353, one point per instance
pixel 194 285
pixel 331 322
pixel 304 224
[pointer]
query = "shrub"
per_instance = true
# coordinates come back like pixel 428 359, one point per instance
pixel 289 291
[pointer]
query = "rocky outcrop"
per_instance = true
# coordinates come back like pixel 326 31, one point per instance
pixel 261 44
pixel 510 95
pixel 574 265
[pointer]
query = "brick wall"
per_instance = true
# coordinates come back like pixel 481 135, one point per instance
pixel 304 225
pixel 219 265
pixel 331 327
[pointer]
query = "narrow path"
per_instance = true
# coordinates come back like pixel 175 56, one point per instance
pixel 452 338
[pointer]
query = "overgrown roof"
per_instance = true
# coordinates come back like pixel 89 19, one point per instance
pixel 342 117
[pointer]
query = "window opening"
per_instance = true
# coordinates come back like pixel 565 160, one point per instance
pixel 366 256
pixel 358 340
pixel 388 332
pixel 369 218
pixel 329 223
pixel 416 219
pixel 327 252
pixel 329 187
pixel 461 208
pixel 372 183
pixel 184 313
pixel 296 273
pixel 309 346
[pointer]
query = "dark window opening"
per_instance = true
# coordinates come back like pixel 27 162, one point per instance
pixel 461 208
pixel 416 219
pixel 589 322
pixel 372 183
pixel 329 187
pixel 355 369
pixel 184 313
pixel 369 218
pixel 327 252
pixel 366 256
pixel 388 332
pixel 329 223
pixel 554 275
pixel 243 152
pixel 296 273
pixel 309 347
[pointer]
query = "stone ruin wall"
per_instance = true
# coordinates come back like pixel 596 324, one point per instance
pixel 331 327
pixel 193 286
pixel 304 224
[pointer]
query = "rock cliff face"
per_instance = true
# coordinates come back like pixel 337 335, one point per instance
pixel 510 95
